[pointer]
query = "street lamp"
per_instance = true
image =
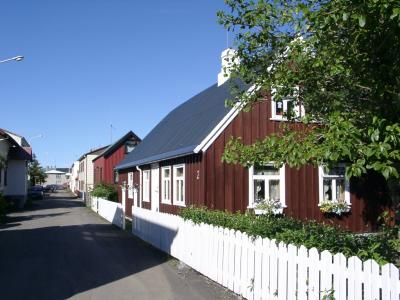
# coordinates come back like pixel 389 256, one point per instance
pixel 16 58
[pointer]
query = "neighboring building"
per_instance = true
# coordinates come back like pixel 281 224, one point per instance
pixel 58 176
pixel 15 153
pixel 179 164
pixel 74 178
pixel 105 163
pixel 85 170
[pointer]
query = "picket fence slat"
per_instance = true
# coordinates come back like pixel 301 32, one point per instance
pixel 260 268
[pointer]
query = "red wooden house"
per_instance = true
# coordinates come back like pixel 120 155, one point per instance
pixel 179 164
pixel 104 164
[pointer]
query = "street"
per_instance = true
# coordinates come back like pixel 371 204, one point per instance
pixel 60 249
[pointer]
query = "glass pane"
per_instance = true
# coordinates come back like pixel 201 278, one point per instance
pixel 274 190
pixel 279 108
pixel 166 173
pixel 327 189
pixel 290 107
pixel 335 171
pixel 266 170
pixel 340 190
pixel 179 172
pixel 259 191
pixel 181 190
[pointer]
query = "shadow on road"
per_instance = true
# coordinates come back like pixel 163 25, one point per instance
pixel 62 261
pixel 10 220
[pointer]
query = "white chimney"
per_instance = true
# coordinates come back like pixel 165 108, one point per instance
pixel 228 58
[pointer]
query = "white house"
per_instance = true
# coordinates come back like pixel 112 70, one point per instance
pixel 86 170
pixel 74 179
pixel 15 153
pixel 58 177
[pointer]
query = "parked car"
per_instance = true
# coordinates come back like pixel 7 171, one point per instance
pixel 36 192
pixel 50 188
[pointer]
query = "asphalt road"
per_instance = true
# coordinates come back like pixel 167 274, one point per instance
pixel 60 249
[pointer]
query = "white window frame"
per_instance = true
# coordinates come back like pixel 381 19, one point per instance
pixel 146 186
pixel 298 109
pixel 175 192
pixel 266 178
pixel 322 175
pixel 166 182
pixel 130 185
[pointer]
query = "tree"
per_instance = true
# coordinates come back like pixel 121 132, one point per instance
pixel 36 172
pixel 340 59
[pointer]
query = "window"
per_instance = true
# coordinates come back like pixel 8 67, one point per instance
pixel 286 107
pixel 146 186
pixel 333 185
pixel 116 177
pixel 266 183
pixel 58 176
pixel 129 146
pixel 130 185
pixel 166 185
pixel 179 185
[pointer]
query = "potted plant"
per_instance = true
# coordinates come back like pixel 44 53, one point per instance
pixel 334 207
pixel 268 207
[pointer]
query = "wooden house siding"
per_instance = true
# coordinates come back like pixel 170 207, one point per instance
pixel 227 186
pixel 210 182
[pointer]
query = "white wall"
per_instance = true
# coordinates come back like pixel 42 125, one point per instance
pixel 17 178
pixel 90 171
pixel 88 174
pixel 52 179
pixel 74 174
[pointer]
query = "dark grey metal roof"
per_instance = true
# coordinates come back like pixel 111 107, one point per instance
pixel 183 129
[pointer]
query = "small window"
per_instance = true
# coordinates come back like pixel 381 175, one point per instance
pixel 280 110
pixel 116 176
pixel 129 146
pixel 333 185
pixel 166 185
pixel 267 183
pixel 179 185
pixel 130 185
pixel 146 186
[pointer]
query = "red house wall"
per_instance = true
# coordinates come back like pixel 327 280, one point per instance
pixel 227 186
pixel 98 169
pixel 217 185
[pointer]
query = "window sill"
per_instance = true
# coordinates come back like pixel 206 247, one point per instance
pixel 277 119
pixel 333 201
pixel 148 201
pixel 168 202
pixel 179 204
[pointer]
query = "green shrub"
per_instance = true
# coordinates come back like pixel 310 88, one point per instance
pixel 3 208
pixel 383 246
pixel 105 191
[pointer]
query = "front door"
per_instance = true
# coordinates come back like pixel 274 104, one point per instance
pixel 155 182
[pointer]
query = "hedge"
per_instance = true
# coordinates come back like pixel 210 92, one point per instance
pixel 382 247
pixel 105 191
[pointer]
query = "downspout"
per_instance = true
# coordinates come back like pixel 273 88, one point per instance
pixel 140 186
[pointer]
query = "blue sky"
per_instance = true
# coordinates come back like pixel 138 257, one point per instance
pixel 92 63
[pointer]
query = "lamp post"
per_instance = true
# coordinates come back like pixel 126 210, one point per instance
pixel 15 58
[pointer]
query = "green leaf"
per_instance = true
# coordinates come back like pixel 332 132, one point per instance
pixel 345 16
pixel 361 20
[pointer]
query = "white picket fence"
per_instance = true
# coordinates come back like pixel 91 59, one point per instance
pixel 262 269
pixel 111 211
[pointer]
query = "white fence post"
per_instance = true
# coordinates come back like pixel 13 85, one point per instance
pixel 260 268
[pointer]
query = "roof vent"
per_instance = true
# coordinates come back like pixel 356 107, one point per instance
pixel 228 58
